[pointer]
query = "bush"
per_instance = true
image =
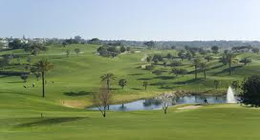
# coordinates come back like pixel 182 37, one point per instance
pixel 251 91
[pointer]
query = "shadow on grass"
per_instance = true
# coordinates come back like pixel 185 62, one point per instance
pixel 164 77
pixel 4 76
pixel 136 74
pixel 136 89
pixel 158 84
pixel 189 81
pixel 17 82
pixel 50 121
pixel 142 79
pixel 216 67
pixel 166 87
pixel 226 71
pixel 80 93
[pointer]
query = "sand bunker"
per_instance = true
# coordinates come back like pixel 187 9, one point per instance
pixel 189 107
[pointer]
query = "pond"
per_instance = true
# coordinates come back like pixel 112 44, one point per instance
pixel 156 104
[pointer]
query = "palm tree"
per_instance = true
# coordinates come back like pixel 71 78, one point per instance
pixel 204 68
pixel 216 83
pixel 43 66
pixel 196 64
pixel 229 59
pixel 108 78
pixel 145 84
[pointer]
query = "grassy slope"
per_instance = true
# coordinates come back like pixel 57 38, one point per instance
pixel 82 73
pixel 20 108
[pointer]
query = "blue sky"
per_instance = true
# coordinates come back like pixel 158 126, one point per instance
pixel 132 19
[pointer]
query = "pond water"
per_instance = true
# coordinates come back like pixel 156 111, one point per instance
pixel 155 103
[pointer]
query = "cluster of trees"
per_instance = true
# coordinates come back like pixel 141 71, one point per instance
pixel 103 97
pixel 34 48
pixel 245 49
pixel 77 51
pixel 112 50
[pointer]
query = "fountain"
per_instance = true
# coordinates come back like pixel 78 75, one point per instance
pixel 231 99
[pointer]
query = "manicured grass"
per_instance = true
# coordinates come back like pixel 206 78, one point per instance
pixel 208 122
pixel 75 78
pixel 81 73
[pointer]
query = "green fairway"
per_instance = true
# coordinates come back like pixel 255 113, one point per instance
pixel 208 122
pixel 74 79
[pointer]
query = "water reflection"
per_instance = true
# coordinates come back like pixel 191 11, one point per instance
pixel 156 103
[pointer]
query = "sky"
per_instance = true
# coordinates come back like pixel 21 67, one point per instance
pixel 178 20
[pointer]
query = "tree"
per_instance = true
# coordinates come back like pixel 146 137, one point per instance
pixel 255 50
pixel 4 62
pixel 77 51
pixel 37 75
pixel 78 39
pixel 204 67
pixel 166 100
pixel 108 78
pixel 150 44
pixel 245 61
pixel 251 91
pixel 122 49
pixel 173 47
pixel 102 99
pixel 149 67
pixel 226 51
pixel 178 71
pixel 24 77
pixel 169 56
pixel 183 71
pixel 196 64
pixel 157 58
pixel 216 84
pixel 235 84
pixel 145 84
pixel 189 55
pixel 157 72
pixel 16 44
pixel 122 83
pixel 42 67
pixel 208 58
pixel 64 44
pixel 182 55
pixel 128 49
pixel 68 53
pixel 229 59
pixel 176 63
pixel 175 71
pixel 164 63
pixel 215 49
pixel 149 59
pixel 95 41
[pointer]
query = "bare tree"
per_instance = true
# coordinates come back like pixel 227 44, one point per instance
pixel 102 99
pixel 167 100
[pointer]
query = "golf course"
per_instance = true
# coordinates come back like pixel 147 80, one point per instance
pixel 69 87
